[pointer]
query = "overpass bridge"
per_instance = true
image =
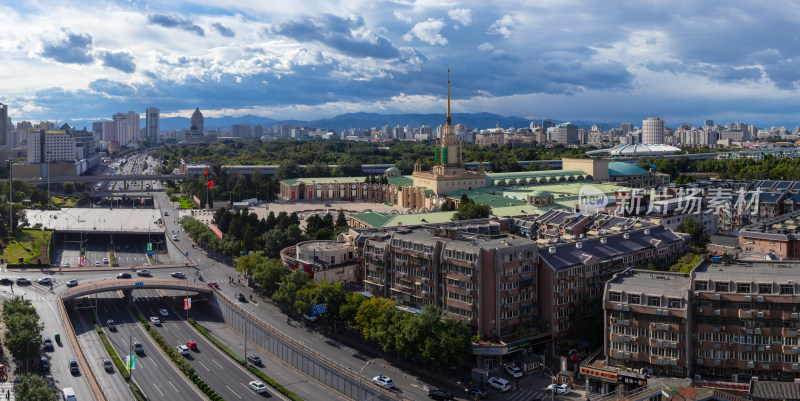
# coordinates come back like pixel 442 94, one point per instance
pixel 101 178
pixel 130 284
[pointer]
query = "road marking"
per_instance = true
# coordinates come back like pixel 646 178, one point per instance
pixel 220 366
pixel 234 393
pixel 156 387
pixel 173 386
pixel 204 366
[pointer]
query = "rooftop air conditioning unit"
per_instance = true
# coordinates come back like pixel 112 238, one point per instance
pixel 604 240
pixel 646 231
pixel 552 249
pixel 579 245
pixel 626 236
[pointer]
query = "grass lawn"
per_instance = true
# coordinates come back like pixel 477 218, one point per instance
pixel 186 203
pixel 65 201
pixel 27 245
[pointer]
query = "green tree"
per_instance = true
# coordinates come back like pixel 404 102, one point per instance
pixel 693 227
pixel 318 169
pixel 341 221
pixel 471 210
pixel 69 187
pixel 288 169
pixel 349 309
pixel 23 336
pixel 248 264
pixel 30 387
pixel 270 274
pixel 290 285
pixel 80 186
pixel 369 315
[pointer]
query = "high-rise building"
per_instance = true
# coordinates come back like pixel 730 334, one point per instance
pixel 653 131
pixel 548 124
pixel 258 131
pixel 568 134
pixel 708 123
pixel 4 124
pixel 152 124
pixel 241 131
pixel 134 126
pixel 121 133
pixel 286 131
pixel 198 125
pixel 626 127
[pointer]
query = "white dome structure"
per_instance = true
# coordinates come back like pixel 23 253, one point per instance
pixel 638 149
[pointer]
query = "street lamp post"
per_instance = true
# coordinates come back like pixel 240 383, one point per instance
pixel 552 383
pixel 28 356
pixel 359 379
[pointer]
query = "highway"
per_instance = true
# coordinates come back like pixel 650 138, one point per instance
pixel 225 376
pixel 155 374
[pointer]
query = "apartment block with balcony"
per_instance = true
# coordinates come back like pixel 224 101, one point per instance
pixel 746 321
pixel 572 275
pixel 486 280
pixel 777 238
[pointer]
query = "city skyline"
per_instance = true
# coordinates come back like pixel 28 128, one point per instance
pixel 565 61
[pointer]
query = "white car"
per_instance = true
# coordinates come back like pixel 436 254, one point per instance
pixel 155 320
pixel 258 387
pixel 46 281
pixel 97 263
pixel 182 349
pixel 310 318
pixel 513 370
pixel 163 312
pixel 383 381
pixel 72 283
pixel 105 260
pixel 174 237
pixel 560 389
pixel 143 272
pixel 499 383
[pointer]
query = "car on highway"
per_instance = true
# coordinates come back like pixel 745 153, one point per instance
pixel 310 318
pixel 124 275
pixel 163 312
pixel 213 284
pixel 66 264
pixel 23 281
pixel 440 395
pixel 111 325
pixel 182 349
pixel 138 348
pixel 258 387
pixel 143 272
pixel 108 366
pixel 513 370
pixel 476 391
pixel 174 237
pixel 166 213
pixel 560 389
pixel 254 359
pixel 6 281
pixel 46 281
pixel 69 394
pixel 499 383
pixel 192 345
pixel 383 381
pixel 105 260
pixel 44 364
pixel 240 297
pixel 97 263
pixel 48 344
pixel 73 366
pixel 72 283
pixel 155 320
pixel 178 275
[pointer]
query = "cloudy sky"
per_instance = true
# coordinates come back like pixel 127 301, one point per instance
pixel 684 61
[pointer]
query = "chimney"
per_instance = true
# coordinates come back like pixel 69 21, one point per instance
pixel 579 245
pixel 552 249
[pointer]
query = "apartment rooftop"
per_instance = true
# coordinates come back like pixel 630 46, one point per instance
pixel 461 239
pixel 642 280
pixel 747 271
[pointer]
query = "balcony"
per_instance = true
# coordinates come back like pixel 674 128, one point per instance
pixel 662 343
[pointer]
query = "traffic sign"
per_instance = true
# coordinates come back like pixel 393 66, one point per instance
pixel 139 284
pixel 321 308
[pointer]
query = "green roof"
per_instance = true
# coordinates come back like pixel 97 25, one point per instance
pixel 540 192
pixel 403 180
pixel 392 220
pixel 622 168
pixel 535 174
pixel 392 169
pixel 374 219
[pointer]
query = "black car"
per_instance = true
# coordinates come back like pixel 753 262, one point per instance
pixel 6 281
pixel 440 395
pixel 254 359
pixel 473 391
pixel 111 325
pixel 48 344
pixel 240 297
pixel 124 275
pixel 73 366
pixel 44 364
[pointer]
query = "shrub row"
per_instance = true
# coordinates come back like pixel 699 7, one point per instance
pixel 261 375
pixel 176 358
pixel 113 353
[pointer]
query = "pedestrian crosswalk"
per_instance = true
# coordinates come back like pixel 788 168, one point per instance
pixel 524 394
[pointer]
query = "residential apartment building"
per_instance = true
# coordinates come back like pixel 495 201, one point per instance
pixel 567 134
pixel 152 124
pixel 653 131
pixel 488 281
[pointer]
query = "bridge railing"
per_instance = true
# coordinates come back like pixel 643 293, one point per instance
pixel 130 283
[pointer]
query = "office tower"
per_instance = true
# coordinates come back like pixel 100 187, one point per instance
pixel 198 125
pixel 258 131
pixel 241 131
pixel 108 131
pixel 653 131
pixel 97 128
pixel 708 123
pixel 626 127
pixel 286 131
pixel 152 124
pixel 567 134
pixel 3 124
pixel 548 124
pixel 121 134
pixel 534 125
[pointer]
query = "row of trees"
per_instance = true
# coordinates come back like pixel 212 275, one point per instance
pixel 285 233
pixel 23 334
pixel 428 336
pixel 769 168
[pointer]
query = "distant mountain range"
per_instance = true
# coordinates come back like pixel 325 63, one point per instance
pixel 361 120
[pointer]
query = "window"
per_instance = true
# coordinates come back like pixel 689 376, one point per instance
pixel 634 299
pixel 701 285
pixel 787 289
pixel 743 287
pixel 674 302
pixel 614 296
pixel 722 286
pixel 653 301
pixel 765 288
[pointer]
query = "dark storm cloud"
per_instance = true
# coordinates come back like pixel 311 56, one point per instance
pixel 73 49
pixel 223 30
pixel 337 33
pixel 175 22
pixel 120 60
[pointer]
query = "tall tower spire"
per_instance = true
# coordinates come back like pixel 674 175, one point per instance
pixel 448 96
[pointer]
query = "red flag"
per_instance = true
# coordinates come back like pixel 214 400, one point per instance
pixel 206 173
pixel 210 184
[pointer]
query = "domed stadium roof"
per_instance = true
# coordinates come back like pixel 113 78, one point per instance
pixel 540 192
pixel 392 170
pixel 638 149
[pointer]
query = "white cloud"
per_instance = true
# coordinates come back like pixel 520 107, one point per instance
pixel 402 17
pixel 462 15
pixel 428 32
pixel 504 26
pixel 485 47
